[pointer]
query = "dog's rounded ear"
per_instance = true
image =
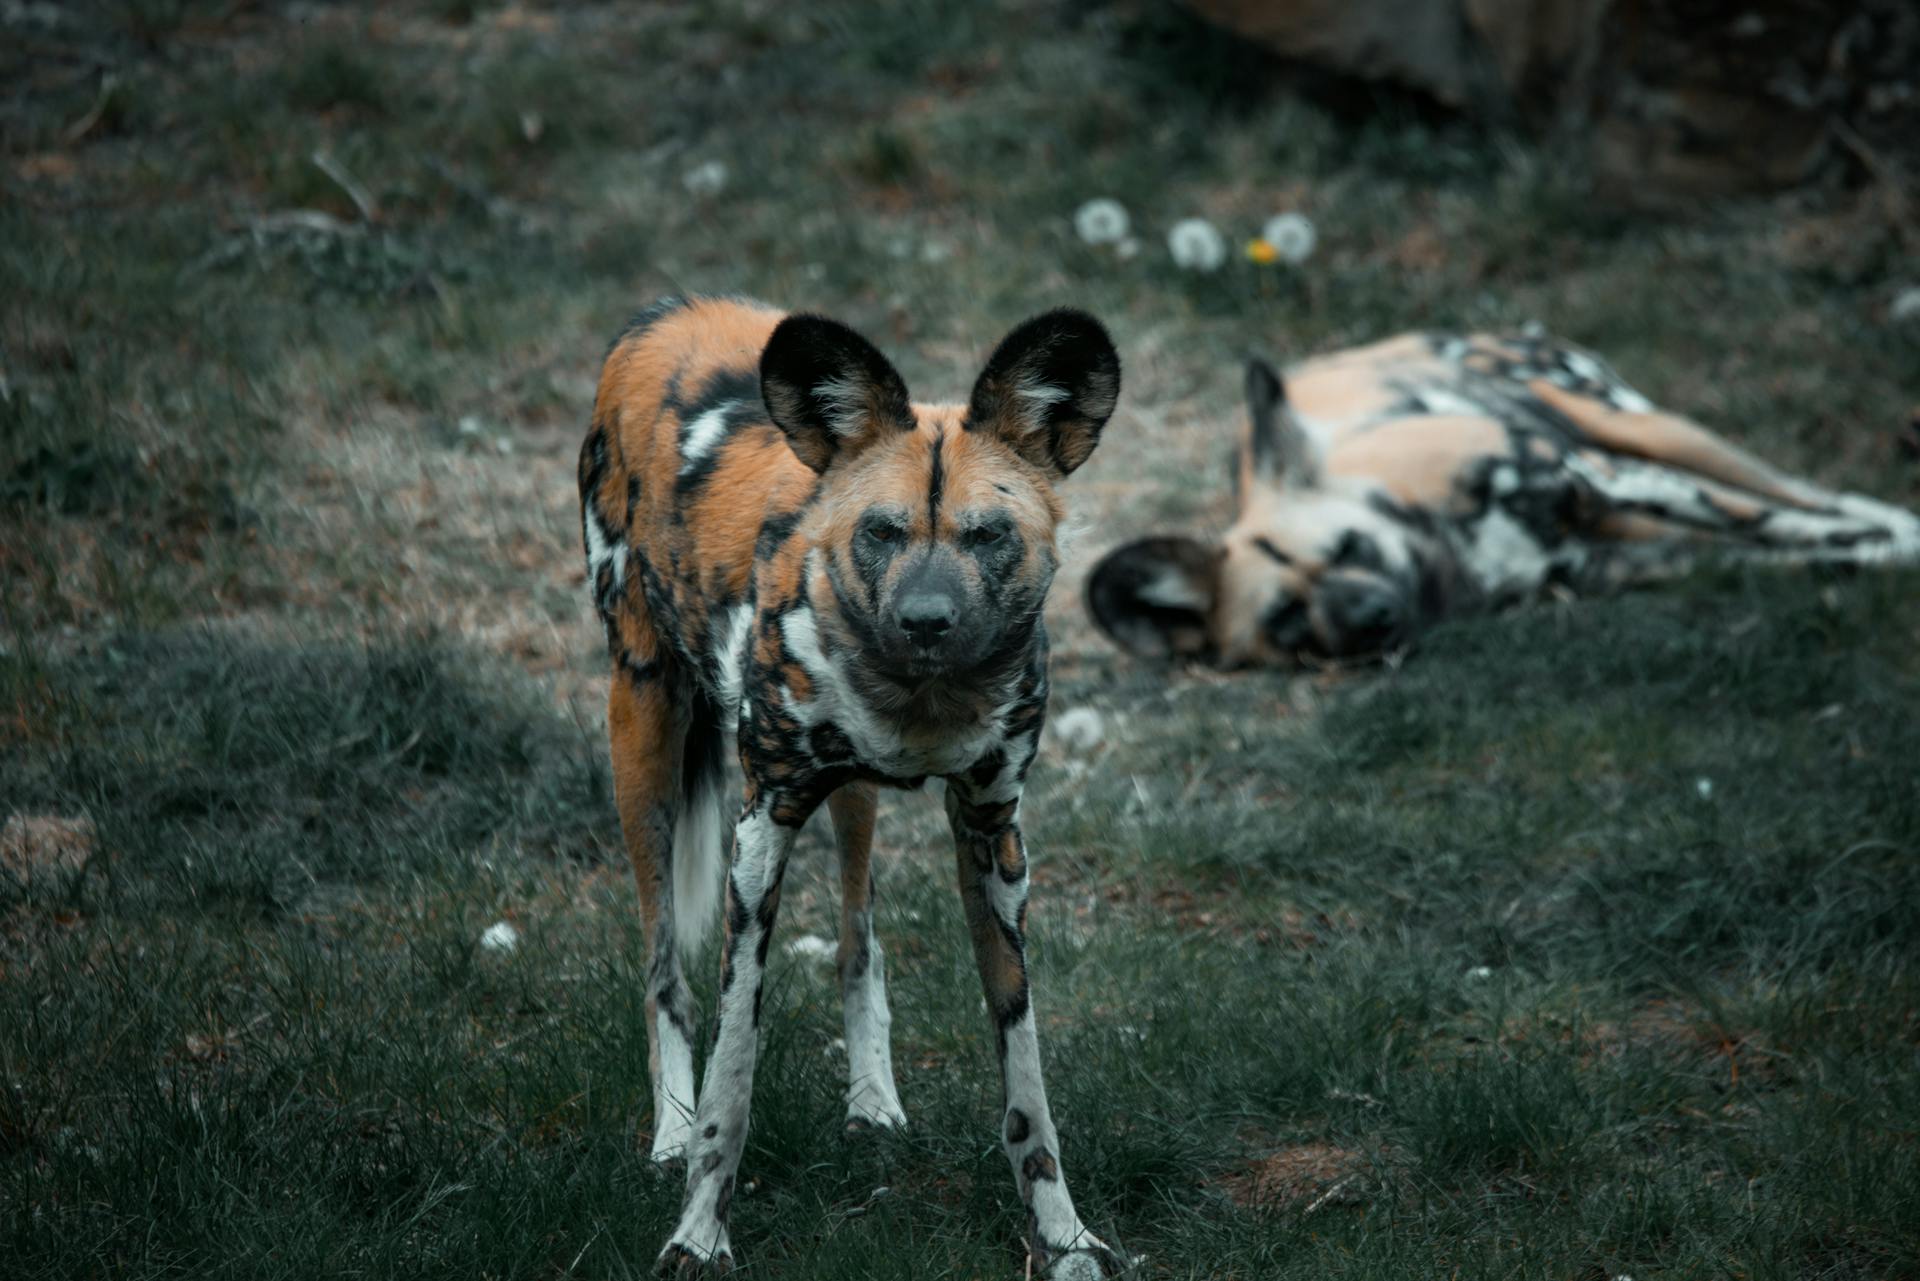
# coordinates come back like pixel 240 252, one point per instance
pixel 1153 597
pixel 1048 389
pixel 830 390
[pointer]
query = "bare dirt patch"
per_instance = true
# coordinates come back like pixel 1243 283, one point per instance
pixel 1303 1177
pixel 40 843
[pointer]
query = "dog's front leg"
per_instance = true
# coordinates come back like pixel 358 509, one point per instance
pixel 761 845
pixel 992 862
pixel 872 1099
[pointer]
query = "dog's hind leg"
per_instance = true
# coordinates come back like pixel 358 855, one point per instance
pixel 1648 501
pixel 872 1099
pixel 762 840
pixel 1676 443
pixel 647 725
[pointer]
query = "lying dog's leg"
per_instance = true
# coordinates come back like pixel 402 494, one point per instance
pixel 1842 528
pixel 761 846
pixel 872 1098
pixel 993 891
pixel 647 733
pixel 1672 442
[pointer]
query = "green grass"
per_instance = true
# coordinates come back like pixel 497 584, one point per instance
pixel 1572 1013
pixel 1583 940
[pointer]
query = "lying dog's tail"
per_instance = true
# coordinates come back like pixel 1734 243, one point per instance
pixel 700 828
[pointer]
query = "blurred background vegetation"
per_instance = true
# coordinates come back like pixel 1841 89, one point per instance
pixel 1580 946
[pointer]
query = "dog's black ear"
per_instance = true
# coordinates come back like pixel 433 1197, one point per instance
pixel 1278 448
pixel 1048 389
pixel 1153 597
pixel 830 390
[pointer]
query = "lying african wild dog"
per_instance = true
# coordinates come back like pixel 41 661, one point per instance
pixel 1382 488
pixel 780 543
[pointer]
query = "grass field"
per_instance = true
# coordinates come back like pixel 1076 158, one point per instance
pixel 1580 946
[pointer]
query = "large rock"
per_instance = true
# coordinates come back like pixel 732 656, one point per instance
pixel 1677 98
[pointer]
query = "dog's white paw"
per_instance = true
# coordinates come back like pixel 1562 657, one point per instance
pixel 872 1109
pixel 703 1251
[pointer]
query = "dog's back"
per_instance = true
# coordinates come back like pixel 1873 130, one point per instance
pixel 678 476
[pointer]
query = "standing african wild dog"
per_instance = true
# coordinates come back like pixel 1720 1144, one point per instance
pixel 781 544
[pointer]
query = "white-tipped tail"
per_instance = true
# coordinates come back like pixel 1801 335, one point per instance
pixel 699 864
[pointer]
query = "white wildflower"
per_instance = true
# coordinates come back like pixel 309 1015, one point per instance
pixel 500 937
pixel 1480 972
pixel 1292 236
pixel 1101 221
pixel 1905 305
pixel 1703 787
pixel 708 178
pixel 812 947
pixel 1197 245
pixel 1078 729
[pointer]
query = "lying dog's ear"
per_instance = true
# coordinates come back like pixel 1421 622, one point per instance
pixel 1278 449
pixel 1048 389
pixel 830 390
pixel 1153 597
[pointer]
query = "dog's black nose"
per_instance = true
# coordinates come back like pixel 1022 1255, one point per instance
pixel 1371 613
pixel 1365 617
pixel 926 617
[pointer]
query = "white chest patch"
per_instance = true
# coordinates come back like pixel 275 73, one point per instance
pixel 881 742
pixel 1505 560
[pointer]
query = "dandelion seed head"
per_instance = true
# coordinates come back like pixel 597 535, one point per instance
pixel 1292 235
pixel 1101 221
pixel 1079 729
pixel 708 178
pixel 1197 245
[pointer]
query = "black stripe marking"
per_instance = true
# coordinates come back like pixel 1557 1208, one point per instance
pixel 1266 546
pixel 936 486
pixel 646 318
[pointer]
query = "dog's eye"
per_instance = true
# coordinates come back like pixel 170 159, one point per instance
pixel 883 531
pixel 982 535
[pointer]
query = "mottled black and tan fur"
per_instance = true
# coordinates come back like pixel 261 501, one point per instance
pixel 1385 487
pixel 787 552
